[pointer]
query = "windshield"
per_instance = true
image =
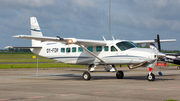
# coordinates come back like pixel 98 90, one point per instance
pixel 135 44
pixel 126 45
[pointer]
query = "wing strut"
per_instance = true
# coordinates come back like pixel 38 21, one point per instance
pixel 91 53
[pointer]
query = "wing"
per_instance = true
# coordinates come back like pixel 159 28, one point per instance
pixel 152 41
pixel 64 40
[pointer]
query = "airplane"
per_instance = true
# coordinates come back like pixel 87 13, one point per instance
pixel 170 57
pixel 106 53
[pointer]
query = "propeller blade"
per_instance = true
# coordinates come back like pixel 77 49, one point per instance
pixel 158 41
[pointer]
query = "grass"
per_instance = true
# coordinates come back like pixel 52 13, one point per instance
pixel 171 100
pixel 26 60
pixel 40 65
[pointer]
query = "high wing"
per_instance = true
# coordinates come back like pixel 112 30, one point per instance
pixel 152 41
pixel 64 40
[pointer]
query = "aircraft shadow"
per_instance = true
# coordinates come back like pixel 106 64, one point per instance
pixel 79 77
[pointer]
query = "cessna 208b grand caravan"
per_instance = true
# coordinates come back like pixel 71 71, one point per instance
pixel 106 53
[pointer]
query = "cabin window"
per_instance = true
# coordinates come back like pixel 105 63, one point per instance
pixel 68 50
pixel 99 48
pixel 113 49
pixel 74 49
pixel 90 49
pixel 80 49
pixel 63 50
pixel 106 48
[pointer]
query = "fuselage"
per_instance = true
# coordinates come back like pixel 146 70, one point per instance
pixel 114 52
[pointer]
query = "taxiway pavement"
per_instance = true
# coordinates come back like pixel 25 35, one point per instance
pixel 66 84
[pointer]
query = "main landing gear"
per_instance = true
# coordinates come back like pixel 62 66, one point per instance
pixel 119 74
pixel 87 76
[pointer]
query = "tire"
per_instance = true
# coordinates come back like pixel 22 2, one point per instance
pixel 119 75
pixel 151 77
pixel 86 75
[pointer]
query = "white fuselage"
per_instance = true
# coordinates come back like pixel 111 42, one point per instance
pixel 110 54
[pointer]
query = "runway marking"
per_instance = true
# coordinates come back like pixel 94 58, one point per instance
pixel 4 99
pixel 34 97
pixel 127 90
pixel 99 92
pixel 173 87
pixel 151 89
pixel 69 94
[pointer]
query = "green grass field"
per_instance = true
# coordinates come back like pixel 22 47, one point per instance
pixel 24 60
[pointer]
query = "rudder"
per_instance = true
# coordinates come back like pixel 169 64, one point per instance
pixel 35 31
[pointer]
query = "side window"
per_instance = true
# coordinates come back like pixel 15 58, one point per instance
pixel 68 50
pixel 113 49
pixel 63 50
pixel 90 49
pixel 106 48
pixel 80 49
pixel 99 48
pixel 74 49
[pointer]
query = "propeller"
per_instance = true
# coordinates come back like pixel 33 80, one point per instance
pixel 160 54
pixel 158 42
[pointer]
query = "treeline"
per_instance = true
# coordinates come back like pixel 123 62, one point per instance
pixel 164 51
pixel 14 50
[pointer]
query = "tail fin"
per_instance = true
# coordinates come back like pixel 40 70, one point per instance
pixel 152 46
pixel 35 31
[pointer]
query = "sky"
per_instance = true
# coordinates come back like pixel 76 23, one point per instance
pixel 89 19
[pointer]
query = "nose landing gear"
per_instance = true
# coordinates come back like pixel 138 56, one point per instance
pixel 150 77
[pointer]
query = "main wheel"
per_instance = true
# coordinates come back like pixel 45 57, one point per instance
pixel 151 77
pixel 86 75
pixel 119 75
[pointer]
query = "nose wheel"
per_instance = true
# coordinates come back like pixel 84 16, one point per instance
pixel 151 77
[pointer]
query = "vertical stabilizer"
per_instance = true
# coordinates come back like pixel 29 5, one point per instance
pixel 35 31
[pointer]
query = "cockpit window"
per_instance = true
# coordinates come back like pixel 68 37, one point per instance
pixel 124 45
pixel 134 44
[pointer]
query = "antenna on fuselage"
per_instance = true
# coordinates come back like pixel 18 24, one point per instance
pixel 104 38
pixel 113 38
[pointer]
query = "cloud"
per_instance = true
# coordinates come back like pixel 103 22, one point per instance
pixel 89 19
pixel 27 3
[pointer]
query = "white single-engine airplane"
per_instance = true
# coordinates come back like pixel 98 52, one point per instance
pixel 107 53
